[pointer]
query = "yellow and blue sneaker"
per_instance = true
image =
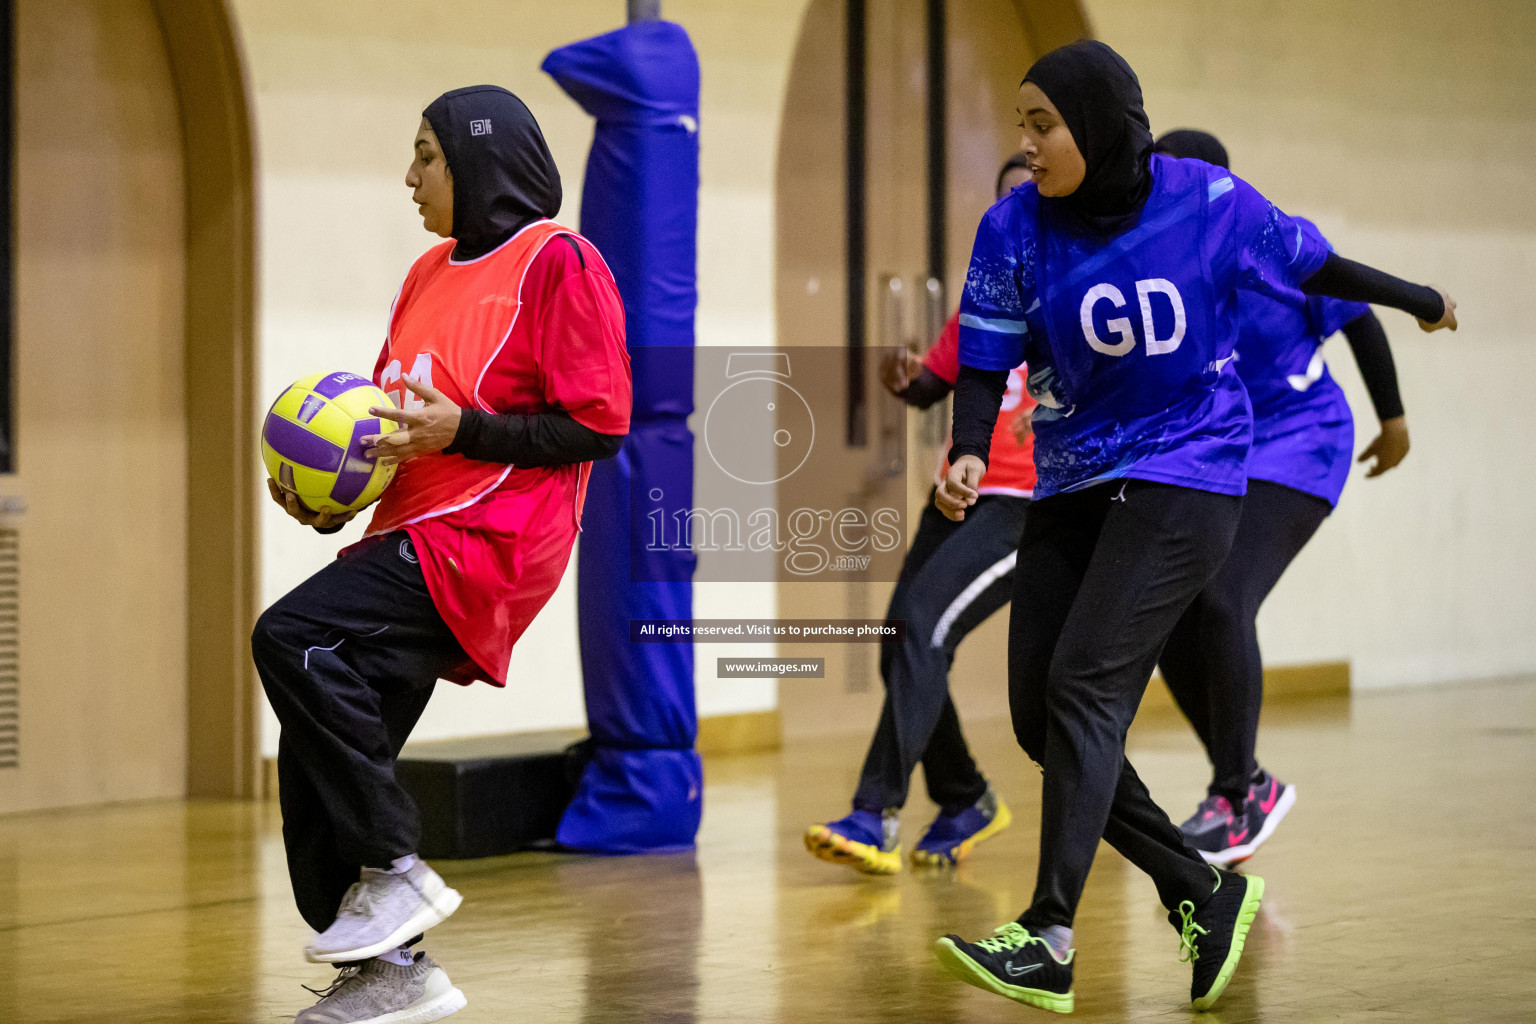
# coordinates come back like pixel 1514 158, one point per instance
pixel 1211 936
pixel 1012 963
pixel 951 837
pixel 863 840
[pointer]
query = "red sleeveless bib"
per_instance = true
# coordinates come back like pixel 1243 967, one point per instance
pixel 448 324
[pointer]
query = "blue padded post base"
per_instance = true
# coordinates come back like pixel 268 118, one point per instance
pixel 635 801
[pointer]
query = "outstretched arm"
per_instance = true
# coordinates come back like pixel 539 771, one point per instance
pixel 906 376
pixel 924 389
pixel 1276 249
pixel 1341 278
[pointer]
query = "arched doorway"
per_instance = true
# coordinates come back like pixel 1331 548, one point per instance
pixel 132 491
pixel 223 721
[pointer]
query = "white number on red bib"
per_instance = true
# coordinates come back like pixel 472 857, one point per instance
pixel 421 372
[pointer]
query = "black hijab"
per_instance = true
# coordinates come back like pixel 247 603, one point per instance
pixel 1189 144
pixel 503 176
pixel 1100 99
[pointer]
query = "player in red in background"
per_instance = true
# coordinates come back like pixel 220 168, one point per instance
pixel 956 574
pixel 506 355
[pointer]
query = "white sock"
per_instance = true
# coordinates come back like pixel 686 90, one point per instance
pixel 401 865
pixel 1059 938
pixel 401 955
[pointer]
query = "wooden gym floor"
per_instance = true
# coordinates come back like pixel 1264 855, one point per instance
pixel 1402 888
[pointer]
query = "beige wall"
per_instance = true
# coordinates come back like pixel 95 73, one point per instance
pixel 338 89
pixel 101 434
pixel 1408 132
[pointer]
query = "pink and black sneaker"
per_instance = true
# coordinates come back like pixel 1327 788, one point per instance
pixel 1207 830
pixel 1225 837
pixel 1269 801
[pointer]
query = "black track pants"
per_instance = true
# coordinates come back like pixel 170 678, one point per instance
pixel 955 576
pixel 349 659
pixel 1103 576
pixel 1212 663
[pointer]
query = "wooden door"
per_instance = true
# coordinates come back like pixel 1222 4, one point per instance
pixel 820 304
pixel 100 426
pixel 909 279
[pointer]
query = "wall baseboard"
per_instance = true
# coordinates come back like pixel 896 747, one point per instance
pixel 719 735
pixel 743 733
pixel 1282 684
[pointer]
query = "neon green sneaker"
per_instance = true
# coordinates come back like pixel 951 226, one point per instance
pixel 1012 963
pixel 1211 936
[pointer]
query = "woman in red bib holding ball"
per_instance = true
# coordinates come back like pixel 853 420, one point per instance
pixel 506 357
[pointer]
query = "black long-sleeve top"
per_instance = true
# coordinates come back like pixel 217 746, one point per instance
pixel 551 438
pixel 1373 355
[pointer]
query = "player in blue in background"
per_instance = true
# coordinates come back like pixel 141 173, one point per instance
pixel 1115 276
pixel 1303 442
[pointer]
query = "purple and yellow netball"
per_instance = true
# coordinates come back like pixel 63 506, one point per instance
pixel 312 441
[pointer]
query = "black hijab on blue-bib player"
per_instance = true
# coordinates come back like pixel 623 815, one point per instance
pixel 1099 98
pixel 504 177
pixel 1193 144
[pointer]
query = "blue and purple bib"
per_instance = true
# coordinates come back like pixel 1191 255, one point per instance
pixel 1130 338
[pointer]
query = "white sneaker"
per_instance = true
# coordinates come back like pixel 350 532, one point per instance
pixel 383 910
pixel 376 992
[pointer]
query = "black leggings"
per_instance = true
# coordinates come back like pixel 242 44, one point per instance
pixel 1212 663
pixel 349 659
pixel 954 577
pixel 1103 576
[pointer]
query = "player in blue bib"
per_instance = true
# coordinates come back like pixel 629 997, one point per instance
pixel 1116 275
pixel 1303 443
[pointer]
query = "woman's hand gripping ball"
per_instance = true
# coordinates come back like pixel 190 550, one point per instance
pixel 957 491
pixel 302 512
pixel 428 428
